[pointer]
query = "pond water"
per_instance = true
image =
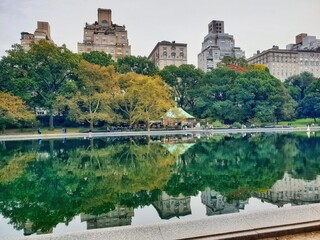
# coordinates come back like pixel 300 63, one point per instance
pixel 69 185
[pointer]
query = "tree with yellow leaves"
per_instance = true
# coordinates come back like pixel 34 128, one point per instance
pixel 143 98
pixel 13 110
pixel 96 89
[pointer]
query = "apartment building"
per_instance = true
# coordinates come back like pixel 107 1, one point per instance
pixel 104 35
pixel 42 32
pixel 216 45
pixel 303 56
pixel 167 53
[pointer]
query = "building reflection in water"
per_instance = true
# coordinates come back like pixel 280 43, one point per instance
pixel 121 216
pixel 291 190
pixel 169 206
pixel 28 230
pixel 217 204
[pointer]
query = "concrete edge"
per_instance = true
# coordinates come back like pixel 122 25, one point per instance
pixel 215 227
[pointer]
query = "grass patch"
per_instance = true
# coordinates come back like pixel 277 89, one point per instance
pixel 301 122
pixel 20 131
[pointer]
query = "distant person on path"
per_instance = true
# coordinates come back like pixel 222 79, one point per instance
pixel 39 131
pixel 90 133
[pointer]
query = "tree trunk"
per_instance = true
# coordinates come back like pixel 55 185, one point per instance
pixel 315 120
pixel 51 120
pixel 91 124
pixel 148 125
pixel 51 144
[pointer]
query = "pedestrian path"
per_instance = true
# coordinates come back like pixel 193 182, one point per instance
pixel 192 131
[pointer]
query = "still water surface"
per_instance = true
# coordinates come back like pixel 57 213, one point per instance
pixel 59 186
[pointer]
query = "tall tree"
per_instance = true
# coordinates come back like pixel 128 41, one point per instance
pixel 96 89
pixel 15 73
pixel 42 71
pixel 143 98
pixel 298 84
pixel 232 96
pixel 310 106
pixel 183 80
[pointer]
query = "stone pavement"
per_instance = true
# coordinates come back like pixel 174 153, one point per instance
pixel 191 131
pixel 254 225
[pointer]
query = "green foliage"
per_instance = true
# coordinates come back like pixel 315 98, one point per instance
pixel 310 106
pixel 298 84
pixel 182 80
pixel 55 181
pixel 16 74
pixel 98 57
pixel 140 65
pixel 232 96
pixel 42 71
pixel 305 89
pixel 237 125
pixel 242 62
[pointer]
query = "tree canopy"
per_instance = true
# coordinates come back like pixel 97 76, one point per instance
pixel 93 98
pixel 42 71
pixel 143 98
pixel 140 65
pixel 182 80
pixel 98 57
pixel 13 110
pixel 242 97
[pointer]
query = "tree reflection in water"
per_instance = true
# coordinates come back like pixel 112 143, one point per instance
pixel 43 185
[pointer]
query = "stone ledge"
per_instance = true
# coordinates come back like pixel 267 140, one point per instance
pixel 239 226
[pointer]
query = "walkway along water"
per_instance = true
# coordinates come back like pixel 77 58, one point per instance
pixel 194 131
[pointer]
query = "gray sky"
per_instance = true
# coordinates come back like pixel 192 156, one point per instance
pixel 255 24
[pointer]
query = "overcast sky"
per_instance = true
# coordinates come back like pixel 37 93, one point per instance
pixel 255 24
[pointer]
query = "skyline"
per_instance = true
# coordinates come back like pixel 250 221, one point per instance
pixel 263 24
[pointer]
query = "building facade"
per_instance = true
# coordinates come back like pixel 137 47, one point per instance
pixel 217 45
pixel 303 56
pixel 41 33
pixel 104 35
pixel 293 191
pixel 170 206
pixel 167 53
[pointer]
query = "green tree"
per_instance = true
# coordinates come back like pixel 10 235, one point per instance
pixel 213 92
pixel 310 106
pixel 242 97
pixel 183 80
pixel 298 84
pixel 140 65
pixel 98 57
pixel 43 70
pixel 15 74
pixel 241 62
